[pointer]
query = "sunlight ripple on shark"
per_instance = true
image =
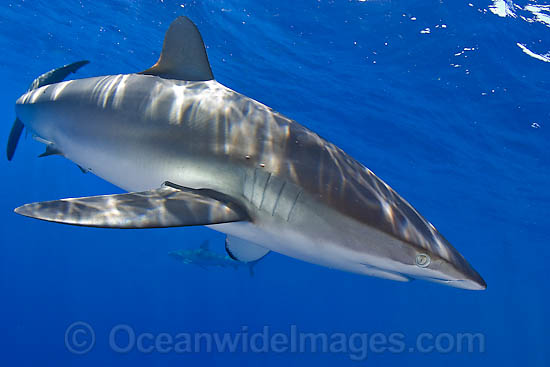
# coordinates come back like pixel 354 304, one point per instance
pixel 194 152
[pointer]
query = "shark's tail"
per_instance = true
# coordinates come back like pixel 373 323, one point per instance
pixel 15 134
pixel 51 77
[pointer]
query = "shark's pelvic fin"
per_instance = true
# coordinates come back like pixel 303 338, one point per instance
pixel 244 251
pixel 50 150
pixel 159 208
pixel 183 54
pixel 51 77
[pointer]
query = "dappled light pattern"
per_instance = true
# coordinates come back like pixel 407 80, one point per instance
pixel 282 159
pixel 164 207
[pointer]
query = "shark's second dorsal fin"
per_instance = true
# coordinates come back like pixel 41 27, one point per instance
pixel 183 54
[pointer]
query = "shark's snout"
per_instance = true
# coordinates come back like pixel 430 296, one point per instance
pixel 457 273
pixel 469 279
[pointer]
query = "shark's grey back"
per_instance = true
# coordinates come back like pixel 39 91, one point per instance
pixel 204 118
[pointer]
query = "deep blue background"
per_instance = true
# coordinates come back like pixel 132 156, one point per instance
pixel 457 141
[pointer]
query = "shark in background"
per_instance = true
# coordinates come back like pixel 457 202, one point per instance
pixel 204 257
pixel 191 151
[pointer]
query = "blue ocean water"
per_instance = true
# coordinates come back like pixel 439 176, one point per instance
pixel 446 101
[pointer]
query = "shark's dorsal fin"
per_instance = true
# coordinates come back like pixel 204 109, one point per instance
pixel 183 54
pixel 204 245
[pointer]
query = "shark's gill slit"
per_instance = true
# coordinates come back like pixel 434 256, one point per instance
pixel 278 198
pixel 264 190
pixel 293 205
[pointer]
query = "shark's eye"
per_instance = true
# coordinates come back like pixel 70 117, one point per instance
pixel 422 260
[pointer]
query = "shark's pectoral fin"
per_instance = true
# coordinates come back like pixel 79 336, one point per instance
pixel 243 250
pixel 159 208
pixel 183 54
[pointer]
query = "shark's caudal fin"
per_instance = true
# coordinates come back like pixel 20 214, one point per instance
pixel 15 134
pixel 57 75
pixel 51 77
pixel 183 54
pixel 159 208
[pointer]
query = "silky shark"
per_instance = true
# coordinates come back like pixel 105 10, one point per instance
pixel 204 257
pixel 191 151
